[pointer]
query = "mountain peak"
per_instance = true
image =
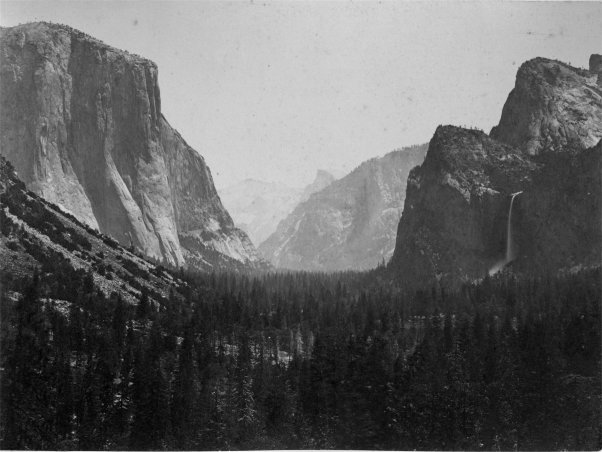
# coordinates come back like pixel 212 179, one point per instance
pixel 322 180
pixel 323 174
pixel 553 107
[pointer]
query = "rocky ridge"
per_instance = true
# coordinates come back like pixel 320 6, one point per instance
pixel 36 234
pixel 547 146
pixel 82 124
pixel 553 107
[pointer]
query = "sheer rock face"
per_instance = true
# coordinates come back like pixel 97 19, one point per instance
pixel 553 107
pixel 351 223
pixel 454 225
pixel 82 124
pixel 456 203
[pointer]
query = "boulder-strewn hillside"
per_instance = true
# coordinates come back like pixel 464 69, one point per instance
pixel 351 223
pixel 455 222
pixel 36 234
pixel 82 124
pixel 257 207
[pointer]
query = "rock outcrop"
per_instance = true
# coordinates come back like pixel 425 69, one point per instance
pixel 257 207
pixel 351 223
pixel 82 124
pixel 456 204
pixel 36 234
pixel 454 225
pixel 553 107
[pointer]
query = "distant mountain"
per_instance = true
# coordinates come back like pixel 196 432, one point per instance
pixel 463 217
pixel 257 207
pixel 323 179
pixel 351 223
pixel 82 124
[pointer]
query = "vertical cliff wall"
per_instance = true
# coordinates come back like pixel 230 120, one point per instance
pixel 454 219
pixel 82 124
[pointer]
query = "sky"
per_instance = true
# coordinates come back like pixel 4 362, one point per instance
pixel 276 90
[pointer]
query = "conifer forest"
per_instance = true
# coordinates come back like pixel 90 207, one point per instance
pixel 301 361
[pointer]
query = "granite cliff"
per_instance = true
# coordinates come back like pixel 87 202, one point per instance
pixel 82 124
pixel 351 223
pixel 553 107
pixel 547 146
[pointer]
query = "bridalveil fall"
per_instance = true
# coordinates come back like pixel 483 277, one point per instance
pixel 509 245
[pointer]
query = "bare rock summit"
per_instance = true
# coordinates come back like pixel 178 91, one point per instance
pixel 553 107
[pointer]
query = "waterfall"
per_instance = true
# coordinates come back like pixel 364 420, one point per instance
pixel 509 248
pixel 509 255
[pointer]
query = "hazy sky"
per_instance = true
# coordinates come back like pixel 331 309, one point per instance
pixel 276 90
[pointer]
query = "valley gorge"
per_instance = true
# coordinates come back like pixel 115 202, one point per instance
pixel 442 296
pixel 82 124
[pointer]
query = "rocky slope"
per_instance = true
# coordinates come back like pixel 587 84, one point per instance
pixel 455 221
pixel 36 234
pixel 82 124
pixel 257 207
pixel 351 223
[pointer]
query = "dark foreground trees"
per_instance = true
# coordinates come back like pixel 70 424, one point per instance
pixel 302 361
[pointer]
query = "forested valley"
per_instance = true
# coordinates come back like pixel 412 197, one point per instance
pixel 301 360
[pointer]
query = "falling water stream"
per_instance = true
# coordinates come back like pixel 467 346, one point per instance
pixel 509 247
